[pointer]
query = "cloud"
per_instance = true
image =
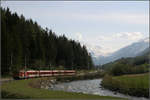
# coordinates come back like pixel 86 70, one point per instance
pixel 105 38
pixel 97 50
pixel 78 36
pixel 130 35
pixel 134 36
pixel 116 41
pixel 106 44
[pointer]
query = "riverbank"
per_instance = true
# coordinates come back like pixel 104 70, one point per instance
pixel 81 75
pixel 23 89
pixel 134 85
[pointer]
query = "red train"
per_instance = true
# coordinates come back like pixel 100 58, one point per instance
pixel 43 73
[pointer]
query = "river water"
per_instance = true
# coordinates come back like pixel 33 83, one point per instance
pixel 91 87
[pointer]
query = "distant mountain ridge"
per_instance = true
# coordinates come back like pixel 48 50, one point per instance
pixel 140 62
pixel 135 49
pixel 145 52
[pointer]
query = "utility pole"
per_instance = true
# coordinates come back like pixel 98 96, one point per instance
pixel 25 63
pixel 88 65
pixel 11 62
pixel 11 59
pixel 49 66
pixel 72 65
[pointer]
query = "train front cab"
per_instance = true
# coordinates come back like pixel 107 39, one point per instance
pixel 20 75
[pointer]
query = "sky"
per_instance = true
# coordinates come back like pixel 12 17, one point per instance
pixel 103 26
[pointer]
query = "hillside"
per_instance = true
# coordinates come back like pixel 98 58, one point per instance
pixel 25 43
pixel 130 65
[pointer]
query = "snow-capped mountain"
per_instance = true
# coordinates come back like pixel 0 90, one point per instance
pixel 129 51
pixel 96 50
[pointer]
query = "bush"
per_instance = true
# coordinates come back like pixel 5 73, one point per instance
pixel 121 69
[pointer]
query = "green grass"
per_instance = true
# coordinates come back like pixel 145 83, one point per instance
pixel 22 89
pixel 135 84
pixel 136 80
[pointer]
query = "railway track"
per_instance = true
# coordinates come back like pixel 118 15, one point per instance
pixel 3 80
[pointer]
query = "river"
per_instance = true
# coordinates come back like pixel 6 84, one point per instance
pixel 91 87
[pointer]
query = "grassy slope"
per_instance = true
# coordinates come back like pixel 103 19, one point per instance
pixel 136 80
pixel 21 89
pixel 137 84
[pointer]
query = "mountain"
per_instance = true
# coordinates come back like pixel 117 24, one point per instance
pixel 132 50
pixel 96 52
pixel 145 52
pixel 141 59
pixel 130 65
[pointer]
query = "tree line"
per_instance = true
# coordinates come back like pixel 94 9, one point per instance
pixel 25 43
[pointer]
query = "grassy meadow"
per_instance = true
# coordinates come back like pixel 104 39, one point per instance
pixel 135 84
pixel 23 89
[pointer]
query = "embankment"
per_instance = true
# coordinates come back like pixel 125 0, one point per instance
pixel 134 85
